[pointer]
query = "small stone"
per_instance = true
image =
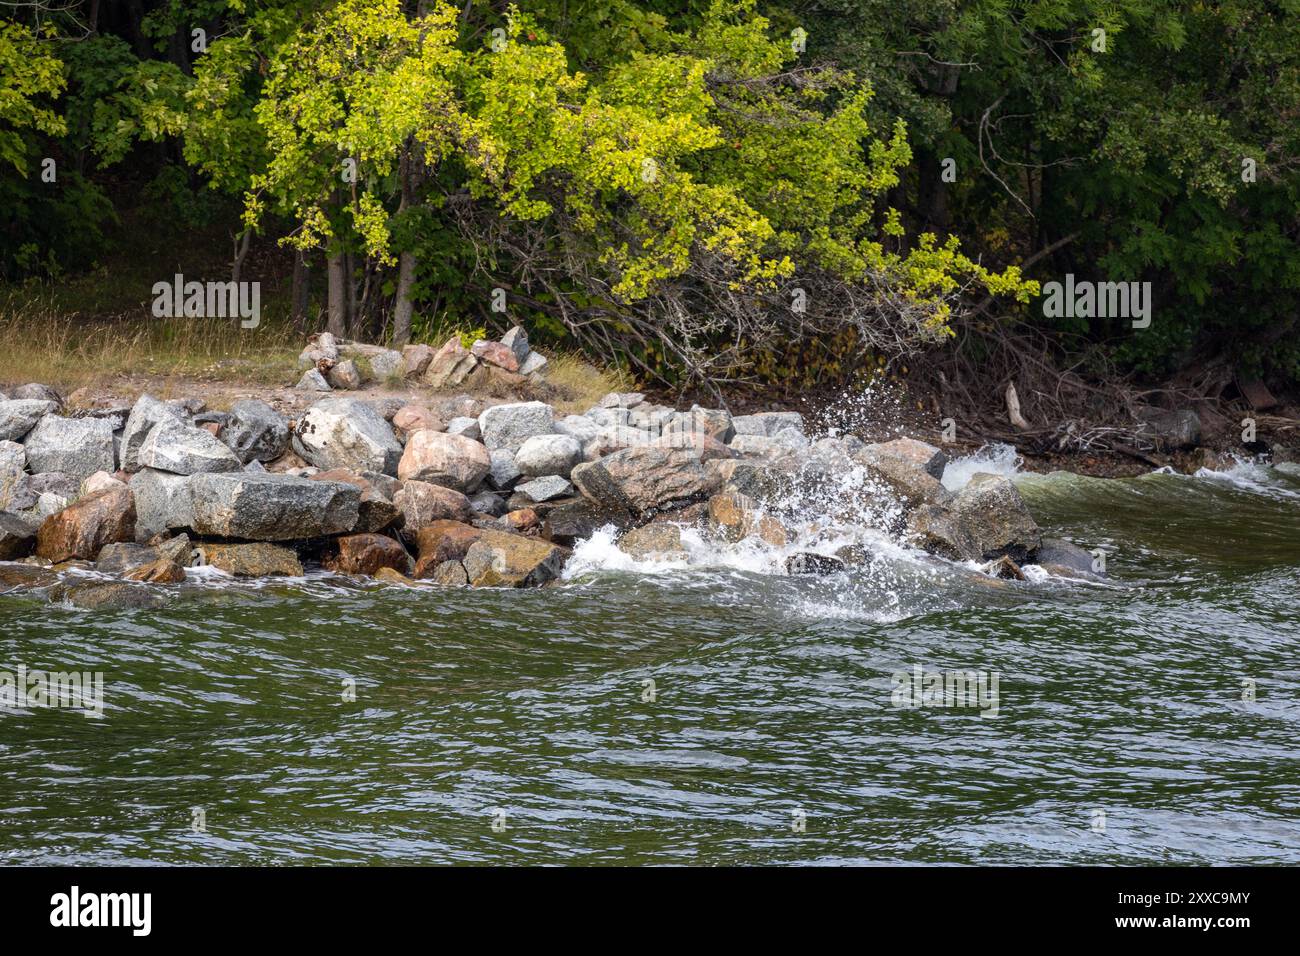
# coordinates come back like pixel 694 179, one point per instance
pixel 622 400
pixel 464 425
pixel 415 360
pixel 806 562
pixel 548 455
pixel 161 571
pixel 533 368
pixel 313 381
pixel 521 520
pixel 345 376
pixel 495 353
pixel 516 340
pixel 546 488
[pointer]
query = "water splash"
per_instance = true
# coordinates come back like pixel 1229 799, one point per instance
pixel 995 459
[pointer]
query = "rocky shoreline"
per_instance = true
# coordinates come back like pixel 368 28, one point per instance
pixel 462 491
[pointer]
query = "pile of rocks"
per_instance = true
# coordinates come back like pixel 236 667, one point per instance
pixel 331 363
pixel 459 491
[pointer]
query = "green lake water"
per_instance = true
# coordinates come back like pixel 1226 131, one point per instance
pixel 519 726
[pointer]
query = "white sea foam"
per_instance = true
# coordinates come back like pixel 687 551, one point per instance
pixel 995 459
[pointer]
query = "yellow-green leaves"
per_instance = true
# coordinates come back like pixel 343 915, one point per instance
pixel 29 72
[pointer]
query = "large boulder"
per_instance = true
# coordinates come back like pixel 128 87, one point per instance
pixel 36 392
pixel 1169 430
pixel 255 431
pixel 713 423
pixel 347 433
pixel 574 519
pixel 423 503
pixel 548 455
pixel 505 471
pixel 444 459
pixel 509 426
pixel 185 450
pixel 762 447
pixel 612 438
pixel 162 502
pixel 249 560
pixel 502 559
pixel 17 536
pixel 995 515
pixel 18 417
pixel 145 414
pixel 82 529
pixel 267 507
pixel 734 516
pixel 637 480
pixel 937 530
pixel 124 556
pixel 906 471
pixel 376 510
pixel 74 446
pixel 442 541
pixel 367 553
pixel 916 454
pixel 659 541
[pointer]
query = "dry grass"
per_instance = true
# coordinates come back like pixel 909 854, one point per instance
pixel 40 343
pixel 576 385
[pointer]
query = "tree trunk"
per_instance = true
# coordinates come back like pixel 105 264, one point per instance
pixel 241 250
pixel 338 303
pixel 300 298
pixel 402 308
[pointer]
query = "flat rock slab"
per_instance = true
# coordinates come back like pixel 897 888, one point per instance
pixel 268 507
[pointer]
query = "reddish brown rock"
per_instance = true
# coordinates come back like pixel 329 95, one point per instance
pixel 522 520
pixel 450 366
pixel 443 541
pixel 494 353
pixel 415 360
pixel 367 553
pixel 81 529
pixel 422 503
pixel 162 571
pixel 375 512
pixel 413 418
pixel 442 459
